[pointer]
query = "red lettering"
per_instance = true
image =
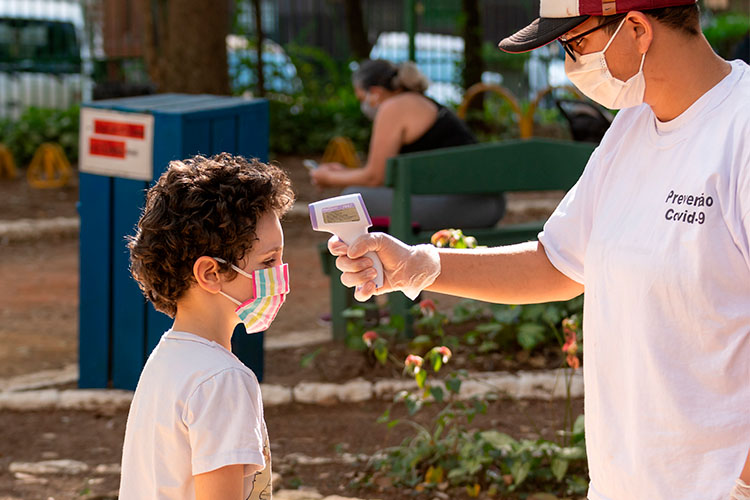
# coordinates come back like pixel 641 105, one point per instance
pixel 112 149
pixel 121 129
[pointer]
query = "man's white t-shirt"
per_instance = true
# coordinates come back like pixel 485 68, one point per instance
pixel 197 408
pixel 658 231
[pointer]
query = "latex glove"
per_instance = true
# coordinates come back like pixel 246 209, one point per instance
pixel 741 491
pixel 409 269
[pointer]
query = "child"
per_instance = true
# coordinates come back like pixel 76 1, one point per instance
pixel 209 240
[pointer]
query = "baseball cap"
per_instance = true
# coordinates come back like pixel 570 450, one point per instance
pixel 557 17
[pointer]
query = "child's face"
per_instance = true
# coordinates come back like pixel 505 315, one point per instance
pixel 267 252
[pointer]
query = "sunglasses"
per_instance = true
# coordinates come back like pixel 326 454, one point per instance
pixel 566 44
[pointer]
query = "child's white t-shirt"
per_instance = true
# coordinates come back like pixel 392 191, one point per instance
pixel 658 231
pixel 197 408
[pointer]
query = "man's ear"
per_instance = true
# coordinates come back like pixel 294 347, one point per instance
pixel 641 29
pixel 207 274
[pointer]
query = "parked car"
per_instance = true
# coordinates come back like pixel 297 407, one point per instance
pixel 44 55
pixel 279 73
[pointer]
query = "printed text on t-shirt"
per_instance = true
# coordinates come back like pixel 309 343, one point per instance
pixel 676 213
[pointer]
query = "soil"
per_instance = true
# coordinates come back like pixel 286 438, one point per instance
pixel 38 331
pixel 95 438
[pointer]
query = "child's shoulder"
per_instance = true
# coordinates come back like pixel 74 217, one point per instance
pixel 190 360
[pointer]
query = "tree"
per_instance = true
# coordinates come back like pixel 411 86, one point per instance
pixel 259 48
pixel 358 43
pixel 471 31
pixel 185 45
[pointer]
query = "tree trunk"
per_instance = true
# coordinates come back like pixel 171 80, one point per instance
pixel 185 45
pixel 471 30
pixel 359 45
pixel 259 39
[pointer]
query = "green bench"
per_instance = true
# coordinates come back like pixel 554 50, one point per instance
pixel 516 165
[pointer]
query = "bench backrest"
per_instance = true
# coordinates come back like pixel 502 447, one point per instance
pixel 517 165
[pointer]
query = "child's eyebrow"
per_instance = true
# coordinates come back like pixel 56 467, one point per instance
pixel 273 250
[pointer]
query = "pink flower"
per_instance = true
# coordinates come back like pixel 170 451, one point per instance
pixel 369 337
pixel 445 353
pixel 570 346
pixel 414 362
pixel 441 238
pixel 427 307
pixel 573 361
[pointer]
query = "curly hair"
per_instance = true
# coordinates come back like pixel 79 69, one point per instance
pixel 201 206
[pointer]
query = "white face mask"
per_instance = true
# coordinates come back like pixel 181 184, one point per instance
pixel 368 109
pixel 589 72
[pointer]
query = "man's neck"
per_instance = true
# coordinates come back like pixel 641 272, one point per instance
pixel 680 75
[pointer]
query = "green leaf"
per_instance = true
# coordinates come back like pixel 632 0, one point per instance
pixel 420 377
pixel 572 453
pixel 530 335
pixel 307 359
pixel 353 313
pixel 578 426
pixel 393 423
pixel 381 353
pixel 421 340
pixel 559 467
pixel 507 315
pixel 489 328
pixel 384 417
pixel 488 346
pixel 497 439
pixel 453 384
pixel 437 393
pixel 520 470
pixel 437 362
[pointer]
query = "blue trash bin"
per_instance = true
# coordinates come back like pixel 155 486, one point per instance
pixel 126 145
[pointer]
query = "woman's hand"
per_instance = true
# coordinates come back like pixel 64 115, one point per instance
pixel 324 175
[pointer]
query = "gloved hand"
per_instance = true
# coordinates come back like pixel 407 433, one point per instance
pixel 409 269
pixel 741 491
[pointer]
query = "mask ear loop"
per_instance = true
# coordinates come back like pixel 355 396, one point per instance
pixel 615 34
pixel 219 259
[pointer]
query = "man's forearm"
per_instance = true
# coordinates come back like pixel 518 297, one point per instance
pixel 514 274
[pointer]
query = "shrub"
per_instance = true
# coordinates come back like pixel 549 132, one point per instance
pixel 39 125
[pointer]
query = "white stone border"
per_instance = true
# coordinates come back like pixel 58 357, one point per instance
pixel 35 229
pixel 539 385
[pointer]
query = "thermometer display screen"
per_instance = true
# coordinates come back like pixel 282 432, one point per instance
pixel 341 213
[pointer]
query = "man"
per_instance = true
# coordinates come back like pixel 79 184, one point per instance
pixel 657 232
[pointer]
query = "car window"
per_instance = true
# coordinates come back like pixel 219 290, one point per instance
pixel 39 46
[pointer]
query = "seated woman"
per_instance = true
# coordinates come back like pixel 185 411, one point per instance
pixel 406 121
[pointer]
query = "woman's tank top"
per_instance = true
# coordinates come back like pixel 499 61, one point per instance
pixel 447 131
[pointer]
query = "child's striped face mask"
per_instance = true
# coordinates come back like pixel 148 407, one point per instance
pixel 270 287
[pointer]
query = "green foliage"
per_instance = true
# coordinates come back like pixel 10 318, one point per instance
pixel 450 453
pixel 503 326
pixel 725 30
pixel 304 125
pixel 39 125
pixel 326 106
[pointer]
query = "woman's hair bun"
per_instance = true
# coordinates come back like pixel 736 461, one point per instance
pixel 410 78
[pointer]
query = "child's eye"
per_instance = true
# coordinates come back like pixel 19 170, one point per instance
pixel 270 262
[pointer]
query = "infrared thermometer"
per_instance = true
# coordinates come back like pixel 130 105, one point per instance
pixel 346 217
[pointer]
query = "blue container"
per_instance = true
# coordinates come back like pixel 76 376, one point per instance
pixel 118 328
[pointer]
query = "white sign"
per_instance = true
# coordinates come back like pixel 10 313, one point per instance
pixel 117 144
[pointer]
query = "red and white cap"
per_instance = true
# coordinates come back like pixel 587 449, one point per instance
pixel 557 17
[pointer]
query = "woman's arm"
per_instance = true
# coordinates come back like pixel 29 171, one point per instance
pixel 225 483
pixel 386 141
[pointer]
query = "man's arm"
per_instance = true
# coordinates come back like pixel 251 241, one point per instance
pixel 221 484
pixel 514 274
